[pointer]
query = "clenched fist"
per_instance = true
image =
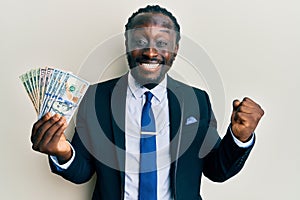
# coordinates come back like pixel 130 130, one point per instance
pixel 245 117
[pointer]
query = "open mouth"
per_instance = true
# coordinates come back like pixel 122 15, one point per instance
pixel 149 66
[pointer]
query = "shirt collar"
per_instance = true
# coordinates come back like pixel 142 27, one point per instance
pixel 138 90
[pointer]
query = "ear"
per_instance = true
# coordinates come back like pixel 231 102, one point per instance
pixel 176 49
pixel 175 52
pixel 126 41
pixel 126 44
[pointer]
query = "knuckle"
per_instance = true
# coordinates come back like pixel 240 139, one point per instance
pixel 52 120
pixel 48 133
pixel 64 119
pixel 241 108
pixel 36 147
pixel 58 123
pixel 246 99
pixel 258 118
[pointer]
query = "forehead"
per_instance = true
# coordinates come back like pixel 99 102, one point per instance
pixel 152 20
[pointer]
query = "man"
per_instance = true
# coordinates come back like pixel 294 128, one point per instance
pixel 115 117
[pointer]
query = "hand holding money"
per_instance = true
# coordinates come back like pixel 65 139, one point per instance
pixel 47 137
pixel 55 95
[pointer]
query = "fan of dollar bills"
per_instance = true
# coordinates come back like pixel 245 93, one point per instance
pixel 53 90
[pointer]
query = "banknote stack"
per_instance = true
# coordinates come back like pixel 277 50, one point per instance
pixel 53 90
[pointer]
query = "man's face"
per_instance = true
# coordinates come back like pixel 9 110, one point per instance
pixel 151 47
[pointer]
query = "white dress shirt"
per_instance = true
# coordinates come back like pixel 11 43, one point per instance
pixel 134 104
pixel 135 100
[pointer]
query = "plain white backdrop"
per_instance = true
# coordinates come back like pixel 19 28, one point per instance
pixel 255 46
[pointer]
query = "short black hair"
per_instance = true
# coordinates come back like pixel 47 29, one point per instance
pixel 155 9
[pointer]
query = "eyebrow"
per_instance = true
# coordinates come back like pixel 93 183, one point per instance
pixel 160 30
pixel 165 30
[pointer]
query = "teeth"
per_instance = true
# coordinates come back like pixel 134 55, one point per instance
pixel 150 65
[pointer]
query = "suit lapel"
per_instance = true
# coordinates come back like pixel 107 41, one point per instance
pixel 176 102
pixel 118 105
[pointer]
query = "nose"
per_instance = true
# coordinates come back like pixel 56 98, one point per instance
pixel 150 52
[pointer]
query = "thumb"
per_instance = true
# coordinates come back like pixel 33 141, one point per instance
pixel 235 104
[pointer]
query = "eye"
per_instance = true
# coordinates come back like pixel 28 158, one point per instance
pixel 141 42
pixel 161 43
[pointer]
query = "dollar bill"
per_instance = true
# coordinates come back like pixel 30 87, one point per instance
pixel 49 88
pixel 25 81
pixel 69 96
pixel 34 81
pixel 42 77
pixel 53 90
pixel 31 83
pixel 48 75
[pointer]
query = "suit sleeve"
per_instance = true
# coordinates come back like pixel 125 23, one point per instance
pixel 226 158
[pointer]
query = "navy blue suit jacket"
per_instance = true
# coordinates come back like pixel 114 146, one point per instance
pixel 195 148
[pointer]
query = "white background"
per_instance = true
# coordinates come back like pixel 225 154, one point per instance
pixel 255 46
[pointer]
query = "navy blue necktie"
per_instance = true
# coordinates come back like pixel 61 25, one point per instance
pixel 148 169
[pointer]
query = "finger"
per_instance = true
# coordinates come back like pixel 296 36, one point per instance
pixel 57 137
pixel 243 118
pixel 250 103
pixel 247 109
pixel 56 129
pixel 42 130
pixel 252 108
pixel 247 119
pixel 39 123
pixel 248 100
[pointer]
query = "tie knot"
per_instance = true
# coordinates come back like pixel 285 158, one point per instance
pixel 149 96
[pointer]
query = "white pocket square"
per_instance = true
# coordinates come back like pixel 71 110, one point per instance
pixel 190 120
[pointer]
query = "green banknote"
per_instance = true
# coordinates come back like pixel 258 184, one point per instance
pixel 54 90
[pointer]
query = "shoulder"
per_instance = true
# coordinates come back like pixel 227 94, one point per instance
pixel 107 86
pixel 186 89
pixel 194 98
pixel 101 90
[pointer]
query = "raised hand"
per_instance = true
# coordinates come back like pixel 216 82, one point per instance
pixel 48 137
pixel 245 117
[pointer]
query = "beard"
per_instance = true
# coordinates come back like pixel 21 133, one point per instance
pixel 149 80
pixel 148 77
